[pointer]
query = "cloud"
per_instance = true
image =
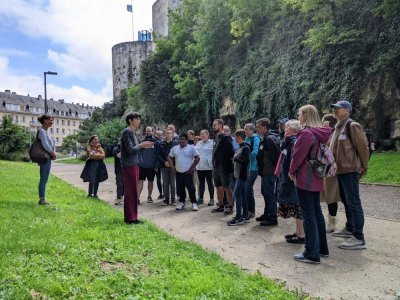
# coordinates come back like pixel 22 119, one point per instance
pixel 14 52
pixel 87 29
pixel 24 84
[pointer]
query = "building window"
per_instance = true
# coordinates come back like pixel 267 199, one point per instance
pixel 58 122
pixel 62 122
pixel 63 131
pixel 57 139
pixel 51 130
pixel 23 119
pixel 13 107
pixel 73 123
pixel 56 130
pixel 68 122
pixel 16 119
pixel 33 119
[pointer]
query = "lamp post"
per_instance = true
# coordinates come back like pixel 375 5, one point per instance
pixel 45 89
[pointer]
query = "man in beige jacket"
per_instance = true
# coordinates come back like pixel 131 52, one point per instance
pixel 349 146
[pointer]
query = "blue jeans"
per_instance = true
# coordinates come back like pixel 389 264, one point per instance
pixel 314 224
pixel 250 191
pixel 350 194
pixel 240 198
pixel 44 176
pixel 268 183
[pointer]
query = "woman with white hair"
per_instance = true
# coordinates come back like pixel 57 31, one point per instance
pixel 286 193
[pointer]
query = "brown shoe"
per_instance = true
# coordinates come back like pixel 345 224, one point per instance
pixel 43 202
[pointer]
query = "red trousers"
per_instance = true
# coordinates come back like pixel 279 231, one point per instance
pixel 131 195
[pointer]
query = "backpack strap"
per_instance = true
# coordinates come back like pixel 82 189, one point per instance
pixel 348 131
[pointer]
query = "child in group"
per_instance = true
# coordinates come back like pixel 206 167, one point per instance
pixel 95 170
pixel 119 180
pixel 241 161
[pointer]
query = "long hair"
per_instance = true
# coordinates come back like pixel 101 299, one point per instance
pixel 310 116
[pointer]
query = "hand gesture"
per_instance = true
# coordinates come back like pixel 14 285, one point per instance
pixel 147 144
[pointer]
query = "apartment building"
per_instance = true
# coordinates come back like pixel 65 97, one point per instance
pixel 26 109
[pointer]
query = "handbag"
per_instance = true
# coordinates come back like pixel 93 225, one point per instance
pixel 37 153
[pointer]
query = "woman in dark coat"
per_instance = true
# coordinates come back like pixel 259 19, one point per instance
pixel 287 197
pixel 95 170
pixel 130 166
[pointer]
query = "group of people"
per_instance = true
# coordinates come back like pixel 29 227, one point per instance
pixel 183 164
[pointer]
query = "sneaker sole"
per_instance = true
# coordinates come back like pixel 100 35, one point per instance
pixel 360 247
pixel 307 261
pixel 343 236
pixel 236 224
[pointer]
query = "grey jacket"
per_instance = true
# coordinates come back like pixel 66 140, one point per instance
pixel 46 141
pixel 129 148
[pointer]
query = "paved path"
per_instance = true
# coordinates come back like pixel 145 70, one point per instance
pixel 370 274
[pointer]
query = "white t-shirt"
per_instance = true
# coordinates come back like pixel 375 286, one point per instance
pixel 183 157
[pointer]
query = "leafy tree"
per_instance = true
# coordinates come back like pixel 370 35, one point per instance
pixel 70 143
pixel 14 140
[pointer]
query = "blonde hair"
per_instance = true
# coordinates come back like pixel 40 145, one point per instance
pixel 310 116
pixel 294 125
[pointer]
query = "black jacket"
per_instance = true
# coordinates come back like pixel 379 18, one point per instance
pixel 117 160
pixel 268 154
pixel 165 148
pixel 223 153
pixel 242 162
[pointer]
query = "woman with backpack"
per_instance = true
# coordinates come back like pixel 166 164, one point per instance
pixel 308 184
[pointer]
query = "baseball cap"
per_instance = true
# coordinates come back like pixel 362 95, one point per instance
pixel 283 120
pixel 342 104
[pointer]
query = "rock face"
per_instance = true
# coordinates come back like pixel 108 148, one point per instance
pixel 379 107
pixel 160 15
pixel 126 60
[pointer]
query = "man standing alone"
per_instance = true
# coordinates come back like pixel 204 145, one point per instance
pixel 350 149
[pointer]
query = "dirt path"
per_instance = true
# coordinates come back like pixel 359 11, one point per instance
pixel 370 274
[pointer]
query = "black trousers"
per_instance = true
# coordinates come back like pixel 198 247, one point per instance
pixel 185 180
pixel 203 176
pixel 93 187
pixel 119 181
pixel 159 184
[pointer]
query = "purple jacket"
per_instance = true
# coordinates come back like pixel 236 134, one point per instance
pixel 307 144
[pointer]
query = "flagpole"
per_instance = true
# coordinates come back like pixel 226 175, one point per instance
pixel 133 32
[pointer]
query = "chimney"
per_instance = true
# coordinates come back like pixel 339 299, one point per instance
pixel 7 91
pixel 14 93
pixel 39 97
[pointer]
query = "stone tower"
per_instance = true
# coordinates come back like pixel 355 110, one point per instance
pixel 160 15
pixel 126 60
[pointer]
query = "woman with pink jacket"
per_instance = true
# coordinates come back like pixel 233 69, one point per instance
pixel 309 185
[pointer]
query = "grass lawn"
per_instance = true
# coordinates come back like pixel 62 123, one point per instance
pixel 80 249
pixel 384 168
pixel 107 160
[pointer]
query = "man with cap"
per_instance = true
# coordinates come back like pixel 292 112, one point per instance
pixel 281 127
pixel 349 146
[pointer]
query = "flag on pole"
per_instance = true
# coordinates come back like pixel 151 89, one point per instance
pixel 129 7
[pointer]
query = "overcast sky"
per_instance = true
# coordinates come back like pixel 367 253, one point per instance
pixel 71 37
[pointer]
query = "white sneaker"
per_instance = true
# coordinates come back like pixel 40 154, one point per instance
pixel 353 244
pixel 180 206
pixel 195 207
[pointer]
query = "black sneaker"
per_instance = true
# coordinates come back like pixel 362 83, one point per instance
pixel 165 203
pixel 269 222
pixel 173 202
pixel 251 214
pixel 246 219
pixel 218 209
pixel 235 222
pixel 161 197
pixel 228 210
pixel 261 218
pixel 200 201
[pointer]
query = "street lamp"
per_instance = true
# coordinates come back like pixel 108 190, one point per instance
pixel 45 89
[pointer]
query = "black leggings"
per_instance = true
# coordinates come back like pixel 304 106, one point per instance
pixel 203 176
pixel 93 187
pixel 332 208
